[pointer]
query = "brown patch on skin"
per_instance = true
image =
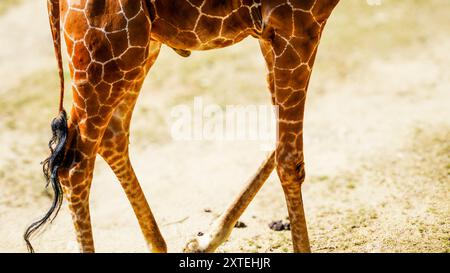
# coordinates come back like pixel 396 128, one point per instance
pixel 81 58
pixel 76 25
pixel 94 72
pixel 186 40
pixel 114 72
pixel 131 7
pixel 219 8
pixel 132 58
pixel 174 12
pixel 114 22
pixel 134 74
pixel 119 42
pixel 208 27
pixel 138 29
pixel 98 45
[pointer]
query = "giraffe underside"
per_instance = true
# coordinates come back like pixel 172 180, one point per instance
pixel 204 24
pixel 190 25
pixel 186 26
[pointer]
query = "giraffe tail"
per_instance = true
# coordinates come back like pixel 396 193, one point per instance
pixel 58 141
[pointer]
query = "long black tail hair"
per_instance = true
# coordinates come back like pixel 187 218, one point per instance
pixel 57 144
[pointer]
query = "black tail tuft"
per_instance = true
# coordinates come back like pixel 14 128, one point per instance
pixel 50 168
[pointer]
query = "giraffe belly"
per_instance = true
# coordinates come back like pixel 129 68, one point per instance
pixel 185 42
pixel 211 24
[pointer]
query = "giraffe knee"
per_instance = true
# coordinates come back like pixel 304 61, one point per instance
pixel 290 167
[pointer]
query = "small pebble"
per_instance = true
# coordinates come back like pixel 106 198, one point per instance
pixel 240 224
pixel 207 210
pixel 280 226
pixel 200 233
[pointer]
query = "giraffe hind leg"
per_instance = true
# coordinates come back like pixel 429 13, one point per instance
pixel 104 64
pixel 84 133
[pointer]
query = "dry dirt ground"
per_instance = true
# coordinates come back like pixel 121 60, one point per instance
pixel 377 134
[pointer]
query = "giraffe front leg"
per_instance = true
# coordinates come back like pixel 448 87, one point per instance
pixel 291 171
pixel 289 153
pixel 290 52
pixel 289 41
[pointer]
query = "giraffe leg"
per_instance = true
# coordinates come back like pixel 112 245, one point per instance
pixel 288 95
pixel 114 149
pixel 110 52
pixel 76 183
pixel 76 174
pixel 223 226
pixel 289 61
pixel 290 56
pixel 91 115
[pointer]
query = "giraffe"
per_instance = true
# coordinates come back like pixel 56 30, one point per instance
pixel 111 46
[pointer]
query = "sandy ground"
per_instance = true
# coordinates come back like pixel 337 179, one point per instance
pixel 377 144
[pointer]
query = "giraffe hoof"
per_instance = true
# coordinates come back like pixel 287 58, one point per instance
pixel 192 246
